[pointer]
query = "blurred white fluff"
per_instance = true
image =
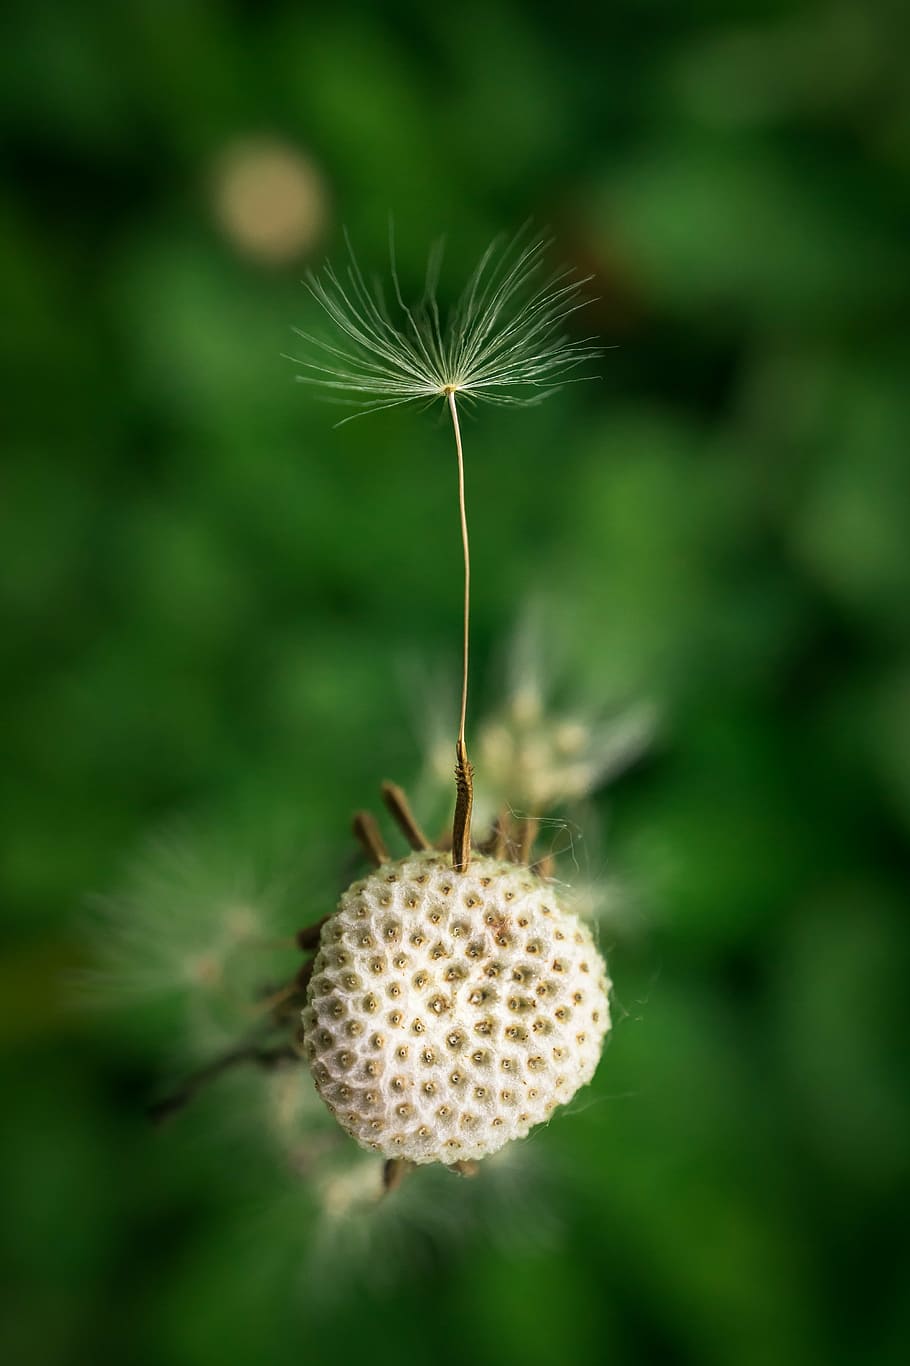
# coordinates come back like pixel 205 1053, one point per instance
pixel 548 746
pixel 197 926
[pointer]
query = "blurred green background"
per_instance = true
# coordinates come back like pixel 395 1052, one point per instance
pixel 215 606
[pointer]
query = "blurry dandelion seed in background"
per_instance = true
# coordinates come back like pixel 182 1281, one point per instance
pixel 269 200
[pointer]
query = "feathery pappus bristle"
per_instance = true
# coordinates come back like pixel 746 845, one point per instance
pixel 506 332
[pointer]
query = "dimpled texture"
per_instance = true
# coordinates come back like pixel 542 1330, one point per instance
pixel 450 1012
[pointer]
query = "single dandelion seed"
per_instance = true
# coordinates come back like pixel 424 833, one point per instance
pixel 504 342
pixel 449 1003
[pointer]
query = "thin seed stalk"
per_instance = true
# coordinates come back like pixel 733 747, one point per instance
pixel 464 773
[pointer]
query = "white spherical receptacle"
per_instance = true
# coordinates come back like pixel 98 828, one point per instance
pixel 449 1013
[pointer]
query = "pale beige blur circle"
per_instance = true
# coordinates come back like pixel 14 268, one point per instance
pixel 269 200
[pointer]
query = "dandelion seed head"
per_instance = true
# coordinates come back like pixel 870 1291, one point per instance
pixel 447 1015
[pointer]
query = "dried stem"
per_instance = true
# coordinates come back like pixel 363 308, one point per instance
pixel 394 1171
pixel 497 841
pixel 464 774
pixel 260 1056
pixel 544 867
pixel 465 1167
pixel 397 803
pixel 529 829
pixel 367 833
